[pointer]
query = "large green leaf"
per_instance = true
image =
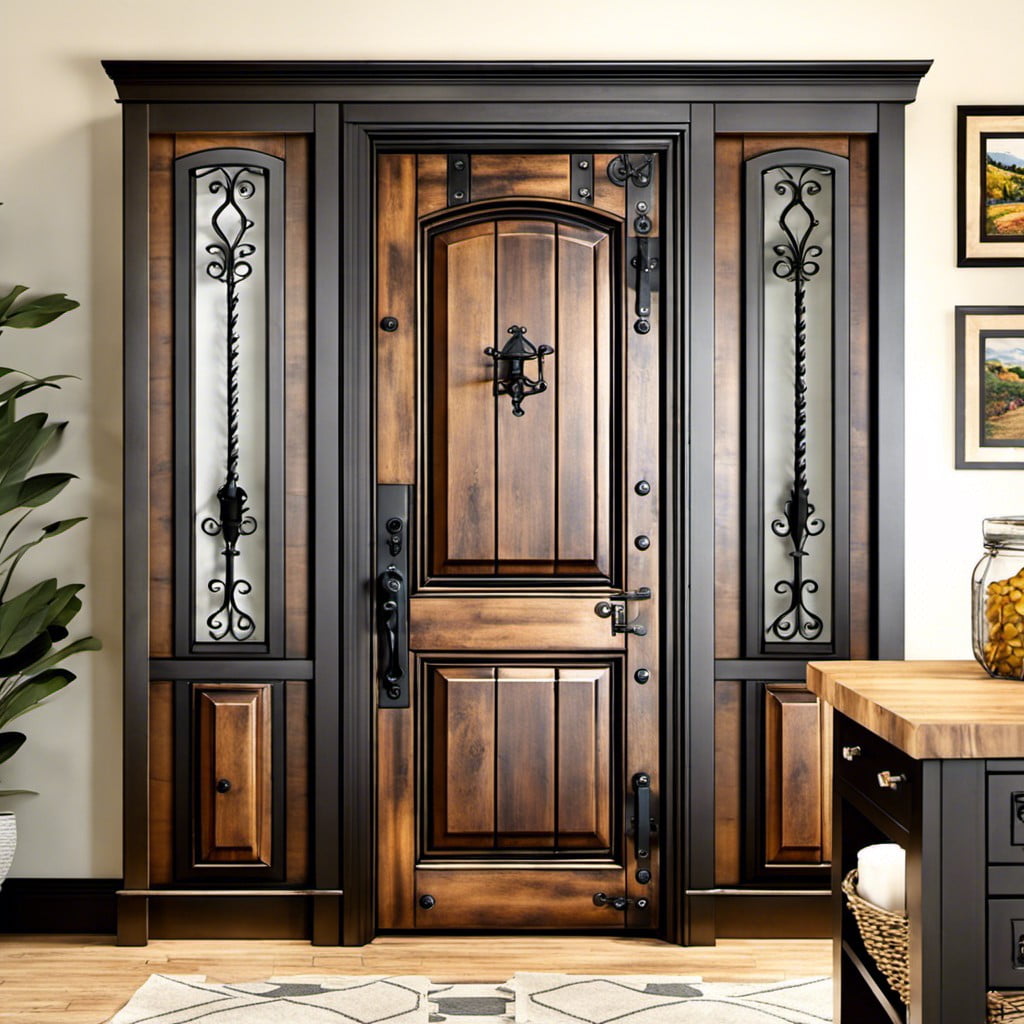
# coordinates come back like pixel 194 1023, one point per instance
pixel 22 443
pixel 57 655
pixel 37 312
pixel 18 615
pixel 26 659
pixel 33 492
pixel 9 744
pixel 27 695
pixel 8 299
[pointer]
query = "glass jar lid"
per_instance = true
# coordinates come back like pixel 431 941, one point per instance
pixel 1004 532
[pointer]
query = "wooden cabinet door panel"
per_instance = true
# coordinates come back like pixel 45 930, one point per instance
pixel 233 778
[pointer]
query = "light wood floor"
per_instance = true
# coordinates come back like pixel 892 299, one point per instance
pixel 86 979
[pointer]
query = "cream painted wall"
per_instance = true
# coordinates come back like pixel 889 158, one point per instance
pixel 60 230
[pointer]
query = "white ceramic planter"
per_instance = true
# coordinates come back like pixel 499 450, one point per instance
pixel 8 841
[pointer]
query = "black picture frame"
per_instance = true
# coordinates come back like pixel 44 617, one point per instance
pixel 978 330
pixel 979 129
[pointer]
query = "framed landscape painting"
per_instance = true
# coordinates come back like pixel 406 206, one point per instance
pixel 990 387
pixel 990 186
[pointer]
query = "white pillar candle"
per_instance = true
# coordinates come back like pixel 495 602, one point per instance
pixel 882 876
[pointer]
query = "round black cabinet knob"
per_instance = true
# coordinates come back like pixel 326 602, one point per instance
pixel 223 785
pixel 642 488
pixel 642 675
pixel 427 901
pixel 389 324
pixel 643 542
pixel 643 876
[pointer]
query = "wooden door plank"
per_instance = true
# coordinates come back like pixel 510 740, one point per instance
pixel 161 388
pixel 497 175
pixel 509 624
pixel 396 817
pixel 462 503
pixel 463 708
pixel 526 444
pixel 607 195
pixel 584 758
pixel 580 420
pixel 641 407
pixel 728 397
pixel 296 768
pixel 728 781
pixel 511 899
pixel 525 780
pixel 396 297
pixel 297 396
pixel 161 782
pixel 431 183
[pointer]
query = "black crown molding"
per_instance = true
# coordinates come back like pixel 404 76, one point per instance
pixel 490 81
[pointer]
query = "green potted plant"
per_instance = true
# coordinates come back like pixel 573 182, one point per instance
pixel 34 616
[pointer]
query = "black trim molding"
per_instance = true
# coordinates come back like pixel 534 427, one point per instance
pixel 59 906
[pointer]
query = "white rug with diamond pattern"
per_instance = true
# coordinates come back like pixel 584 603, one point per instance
pixel 526 999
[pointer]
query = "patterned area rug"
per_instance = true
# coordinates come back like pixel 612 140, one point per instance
pixel 526 999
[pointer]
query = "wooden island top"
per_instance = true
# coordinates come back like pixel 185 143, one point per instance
pixel 929 709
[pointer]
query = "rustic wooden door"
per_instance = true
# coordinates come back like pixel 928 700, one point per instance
pixel 518 541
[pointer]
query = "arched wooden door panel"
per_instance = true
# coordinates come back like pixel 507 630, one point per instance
pixel 508 785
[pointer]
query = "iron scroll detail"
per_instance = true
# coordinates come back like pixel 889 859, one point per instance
pixel 797 262
pixel 230 265
pixel 510 377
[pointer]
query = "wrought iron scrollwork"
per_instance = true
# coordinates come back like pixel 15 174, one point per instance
pixel 230 265
pixel 510 377
pixel 797 262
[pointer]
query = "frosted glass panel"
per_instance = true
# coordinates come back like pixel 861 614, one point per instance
pixel 797 411
pixel 229 403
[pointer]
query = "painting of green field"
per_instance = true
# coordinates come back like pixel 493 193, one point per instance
pixel 1003 389
pixel 1004 187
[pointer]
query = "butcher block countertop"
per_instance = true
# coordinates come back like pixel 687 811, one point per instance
pixel 929 709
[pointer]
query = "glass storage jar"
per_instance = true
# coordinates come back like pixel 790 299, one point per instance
pixel 997 593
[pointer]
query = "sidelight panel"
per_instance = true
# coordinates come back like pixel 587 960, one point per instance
pixel 229 370
pixel 797 356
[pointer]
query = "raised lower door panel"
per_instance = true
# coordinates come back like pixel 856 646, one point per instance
pixel 233 774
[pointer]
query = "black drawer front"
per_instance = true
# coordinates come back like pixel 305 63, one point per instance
pixel 1006 943
pixel 1006 819
pixel 864 757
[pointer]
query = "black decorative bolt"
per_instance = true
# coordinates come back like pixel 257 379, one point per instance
pixel 223 785
pixel 642 488
pixel 427 901
pixel 643 542
pixel 459 165
pixel 583 165
pixel 642 327
pixel 584 193
pixel 643 877
pixel 389 324
pixel 642 675
pixel 459 195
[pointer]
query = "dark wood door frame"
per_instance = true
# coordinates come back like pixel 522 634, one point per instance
pixel 352 110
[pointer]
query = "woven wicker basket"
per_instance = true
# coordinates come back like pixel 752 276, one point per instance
pixel 1005 1007
pixel 885 935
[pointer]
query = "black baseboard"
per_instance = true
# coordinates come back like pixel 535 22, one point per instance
pixel 52 906
pixel 773 917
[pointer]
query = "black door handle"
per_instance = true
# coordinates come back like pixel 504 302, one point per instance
pixel 389 590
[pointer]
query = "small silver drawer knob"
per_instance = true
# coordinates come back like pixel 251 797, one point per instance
pixel 890 780
pixel 849 753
